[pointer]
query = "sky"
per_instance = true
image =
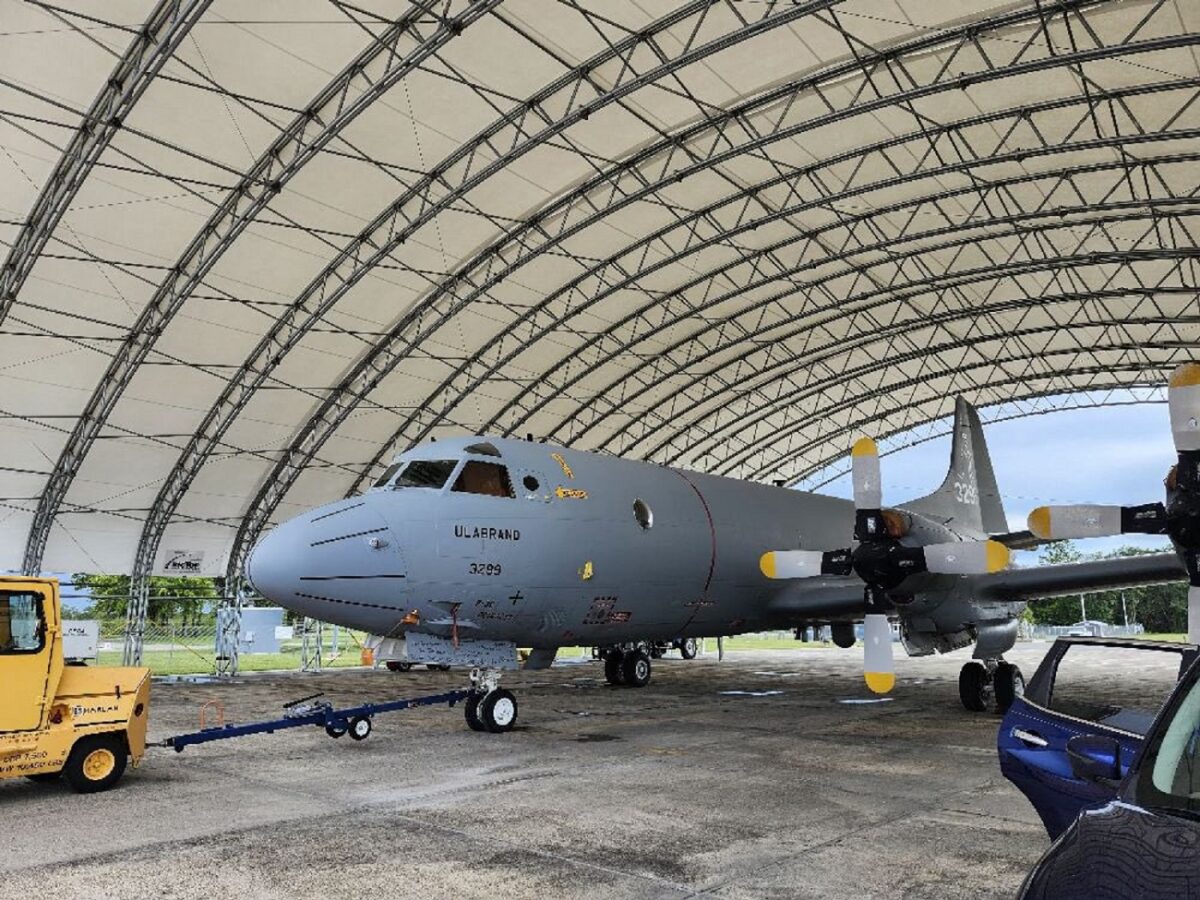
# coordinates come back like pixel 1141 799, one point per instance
pixel 1117 454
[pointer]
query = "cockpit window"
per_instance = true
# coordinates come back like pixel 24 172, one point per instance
pixel 485 478
pixel 388 474
pixel 426 473
pixel 483 449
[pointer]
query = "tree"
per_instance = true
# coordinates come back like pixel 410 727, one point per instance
pixel 184 599
pixel 1159 607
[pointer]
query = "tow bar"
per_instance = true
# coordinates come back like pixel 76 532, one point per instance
pixel 353 720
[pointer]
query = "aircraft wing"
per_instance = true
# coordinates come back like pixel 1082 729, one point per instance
pixel 1076 578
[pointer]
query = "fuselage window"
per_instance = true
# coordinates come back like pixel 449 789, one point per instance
pixel 489 479
pixel 388 475
pixel 426 473
pixel 643 514
pixel 531 483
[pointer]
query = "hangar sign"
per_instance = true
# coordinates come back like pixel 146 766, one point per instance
pixel 181 562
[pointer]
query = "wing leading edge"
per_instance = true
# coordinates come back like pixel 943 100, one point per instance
pixel 1075 578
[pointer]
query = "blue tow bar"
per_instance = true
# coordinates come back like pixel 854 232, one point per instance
pixel 335 721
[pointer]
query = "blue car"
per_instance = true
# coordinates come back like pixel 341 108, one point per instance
pixel 1108 752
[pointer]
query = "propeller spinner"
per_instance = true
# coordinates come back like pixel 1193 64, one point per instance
pixel 1179 517
pixel 881 561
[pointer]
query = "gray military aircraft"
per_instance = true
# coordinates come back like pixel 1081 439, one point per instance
pixel 466 549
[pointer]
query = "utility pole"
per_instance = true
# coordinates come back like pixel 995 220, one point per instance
pixel 1124 609
pixel 1082 608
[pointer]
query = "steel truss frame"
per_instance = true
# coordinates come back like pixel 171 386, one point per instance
pixel 397 51
pixel 164 30
pixel 491 265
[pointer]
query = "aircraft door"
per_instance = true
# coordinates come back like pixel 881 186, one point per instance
pixel 1071 696
pixel 26 655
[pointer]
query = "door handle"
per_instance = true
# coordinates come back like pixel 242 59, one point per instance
pixel 1032 738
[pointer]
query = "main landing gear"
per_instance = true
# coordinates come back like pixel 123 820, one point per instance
pixel 627 666
pixel 489 707
pixel 990 682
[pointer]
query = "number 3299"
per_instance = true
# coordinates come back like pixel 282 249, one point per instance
pixel 484 569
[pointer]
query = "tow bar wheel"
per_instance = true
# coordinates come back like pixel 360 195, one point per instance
pixel 360 728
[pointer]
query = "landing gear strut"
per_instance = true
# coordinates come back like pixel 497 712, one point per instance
pixel 988 682
pixel 489 707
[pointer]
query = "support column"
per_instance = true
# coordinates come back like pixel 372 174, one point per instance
pixel 229 628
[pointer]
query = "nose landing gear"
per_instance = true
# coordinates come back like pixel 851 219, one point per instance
pixel 988 682
pixel 489 707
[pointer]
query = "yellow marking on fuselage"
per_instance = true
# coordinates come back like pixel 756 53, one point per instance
pixel 558 458
pixel 565 493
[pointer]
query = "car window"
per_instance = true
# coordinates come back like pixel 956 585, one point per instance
pixel 20 623
pixel 1085 687
pixel 490 479
pixel 1176 768
pixel 426 473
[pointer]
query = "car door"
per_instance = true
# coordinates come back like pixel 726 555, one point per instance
pixel 1074 693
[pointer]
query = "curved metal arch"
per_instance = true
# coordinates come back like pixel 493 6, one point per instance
pixel 990 414
pixel 558 104
pixel 1175 354
pixel 888 361
pixel 375 70
pixel 370 369
pixel 590 299
pixel 163 31
pixel 573 418
pixel 837 311
pixel 497 340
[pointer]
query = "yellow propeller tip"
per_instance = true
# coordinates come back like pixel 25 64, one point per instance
pixel 766 563
pixel 1039 522
pixel 1185 375
pixel 997 556
pixel 864 447
pixel 880 682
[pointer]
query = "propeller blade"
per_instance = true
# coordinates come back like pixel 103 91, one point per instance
pixel 878 670
pixel 791 563
pixel 864 459
pixel 1083 521
pixel 1183 400
pixel 805 563
pixel 966 557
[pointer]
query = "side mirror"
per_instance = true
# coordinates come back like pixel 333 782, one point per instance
pixel 1094 758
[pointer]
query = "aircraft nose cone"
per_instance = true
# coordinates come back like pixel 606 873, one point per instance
pixel 325 562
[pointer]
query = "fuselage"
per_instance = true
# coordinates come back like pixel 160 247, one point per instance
pixel 518 541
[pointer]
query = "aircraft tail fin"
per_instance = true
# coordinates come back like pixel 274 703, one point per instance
pixel 969 497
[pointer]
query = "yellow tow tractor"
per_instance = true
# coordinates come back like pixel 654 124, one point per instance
pixel 56 719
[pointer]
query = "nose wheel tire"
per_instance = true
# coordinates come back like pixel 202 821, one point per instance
pixel 96 763
pixel 1009 684
pixel 498 711
pixel 636 668
pixel 687 648
pixel 614 672
pixel 471 713
pixel 975 686
pixel 360 728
